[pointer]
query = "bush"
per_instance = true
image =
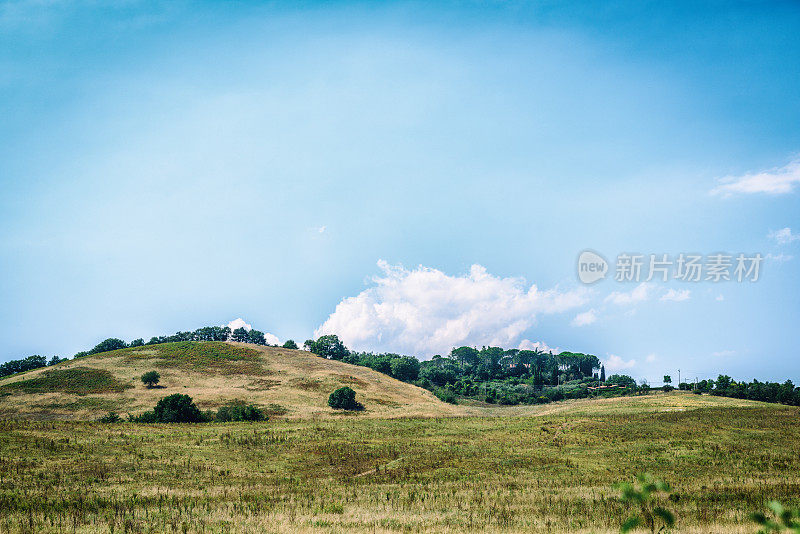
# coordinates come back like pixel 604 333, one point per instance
pixel 175 408
pixel 151 378
pixel 446 395
pixel 344 399
pixel 111 417
pixel 667 387
pixel 239 412
pixel 290 344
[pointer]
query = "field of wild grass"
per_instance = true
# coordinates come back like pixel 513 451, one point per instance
pixel 551 473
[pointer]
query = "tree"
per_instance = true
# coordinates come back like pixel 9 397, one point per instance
pixel 467 357
pixel 667 379
pixel 329 347
pixel 137 342
pixel 256 337
pixel 602 373
pixel 55 359
pixel 151 378
pixel 405 368
pixel 344 399
pixel 290 344
pixel 240 335
pixel 109 344
pixel 177 408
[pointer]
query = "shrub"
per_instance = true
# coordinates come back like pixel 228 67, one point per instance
pixel 290 344
pixel 111 417
pixel 446 395
pixel 344 399
pixel 239 412
pixel 176 408
pixel 151 378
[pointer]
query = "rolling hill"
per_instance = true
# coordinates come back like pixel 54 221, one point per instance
pixel 286 383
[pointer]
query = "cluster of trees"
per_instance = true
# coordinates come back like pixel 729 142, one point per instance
pixel 724 386
pixel 507 376
pixel 207 333
pixel 27 364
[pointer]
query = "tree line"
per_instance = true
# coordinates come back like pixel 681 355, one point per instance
pixel 27 364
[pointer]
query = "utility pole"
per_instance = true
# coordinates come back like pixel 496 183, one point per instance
pixel 679 379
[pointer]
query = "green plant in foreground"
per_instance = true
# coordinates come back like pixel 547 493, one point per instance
pixel 785 519
pixel 642 495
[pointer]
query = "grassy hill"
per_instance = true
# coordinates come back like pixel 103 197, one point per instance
pixel 287 383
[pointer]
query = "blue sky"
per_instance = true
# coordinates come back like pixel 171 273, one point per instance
pixel 165 167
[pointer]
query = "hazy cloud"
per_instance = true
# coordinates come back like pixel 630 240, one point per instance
pixel 783 236
pixel 778 181
pixel 678 295
pixel 638 294
pixel 585 318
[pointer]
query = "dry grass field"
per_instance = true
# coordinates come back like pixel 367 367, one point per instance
pixel 517 471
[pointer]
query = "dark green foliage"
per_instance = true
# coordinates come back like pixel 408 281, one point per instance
pixel 137 342
pixel 151 378
pixel 25 364
pixel 602 373
pixel 111 417
pixel 344 399
pixel 781 519
pixel 256 337
pixel 56 360
pixel 405 368
pixel 239 412
pixel 240 334
pixel 667 379
pixel 175 408
pixel 329 347
pixel 290 344
pixel 107 345
pixel 445 395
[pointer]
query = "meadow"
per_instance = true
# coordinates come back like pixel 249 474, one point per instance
pixel 534 469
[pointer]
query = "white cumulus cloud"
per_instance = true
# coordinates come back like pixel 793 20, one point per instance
pixel 615 363
pixel 778 181
pixel 638 294
pixel 424 311
pixel 678 295
pixel 585 318
pixel 239 323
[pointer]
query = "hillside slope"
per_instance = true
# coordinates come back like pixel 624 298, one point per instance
pixel 287 383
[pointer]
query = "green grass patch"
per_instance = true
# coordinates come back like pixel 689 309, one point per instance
pixel 213 356
pixel 78 380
